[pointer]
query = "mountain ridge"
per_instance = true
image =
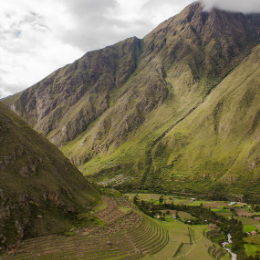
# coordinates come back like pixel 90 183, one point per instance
pixel 111 111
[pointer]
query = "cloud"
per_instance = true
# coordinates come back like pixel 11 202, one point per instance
pixel 98 23
pixel 249 6
pixel 8 89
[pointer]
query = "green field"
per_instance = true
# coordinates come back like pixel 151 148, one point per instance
pixel 255 240
pixel 182 215
pixel 222 211
pixel 249 228
pixel 100 206
pixel 216 239
pixel 251 249
pixel 249 221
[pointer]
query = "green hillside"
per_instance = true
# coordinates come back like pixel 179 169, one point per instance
pixel 40 190
pixel 176 110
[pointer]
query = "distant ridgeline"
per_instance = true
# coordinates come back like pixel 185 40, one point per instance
pixel 40 190
pixel 177 110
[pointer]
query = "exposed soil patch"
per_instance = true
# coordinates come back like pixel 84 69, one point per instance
pixel 242 212
pixel 154 196
pixel 215 205
pixel 184 202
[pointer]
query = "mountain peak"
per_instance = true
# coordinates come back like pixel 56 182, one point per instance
pixel 213 24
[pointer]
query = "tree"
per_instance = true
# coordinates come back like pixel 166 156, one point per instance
pixel 136 198
pixel 161 199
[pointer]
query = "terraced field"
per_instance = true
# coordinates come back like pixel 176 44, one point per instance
pixel 111 212
pixel 125 236
pixel 188 243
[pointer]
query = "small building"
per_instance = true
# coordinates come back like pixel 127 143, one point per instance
pixel 192 199
pixel 232 203
pixel 242 203
pixel 173 217
pixel 253 233
pixel 257 218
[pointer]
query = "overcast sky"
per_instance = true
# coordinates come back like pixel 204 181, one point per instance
pixel 40 36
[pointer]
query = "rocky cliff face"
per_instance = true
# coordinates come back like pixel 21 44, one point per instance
pixel 39 187
pixel 71 98
pixel 110 110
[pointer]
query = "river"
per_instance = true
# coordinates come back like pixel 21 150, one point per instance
pixel 233 255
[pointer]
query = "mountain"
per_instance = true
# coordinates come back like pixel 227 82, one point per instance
pixel 40 190
pixel 172 111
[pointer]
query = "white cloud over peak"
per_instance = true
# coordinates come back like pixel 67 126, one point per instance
pixel 249 6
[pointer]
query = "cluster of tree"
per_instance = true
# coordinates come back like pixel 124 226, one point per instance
pixel 256 257
pixel 251 198
pixel 256 208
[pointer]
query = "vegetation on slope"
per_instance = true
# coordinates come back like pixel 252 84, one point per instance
pixel 40 190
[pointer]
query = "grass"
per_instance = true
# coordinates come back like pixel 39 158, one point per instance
pixel 101 206
pixel 124 209
pixel 222 211
pixel 252 239
pixel 249 221
pixel 251 249
pixel 249 228
pixel 197 203
pixel 216 239
pixel 183 215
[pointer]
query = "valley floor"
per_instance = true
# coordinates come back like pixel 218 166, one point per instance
pixel 121 231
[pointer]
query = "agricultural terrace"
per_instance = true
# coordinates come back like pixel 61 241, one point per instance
pixel 129 235
pixel 187 243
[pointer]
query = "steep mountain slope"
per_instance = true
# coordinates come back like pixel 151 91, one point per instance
pixel 218 143
pixel 112 111
pixel 40 190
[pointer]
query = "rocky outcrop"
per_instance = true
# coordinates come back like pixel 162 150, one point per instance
pixel 73 97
